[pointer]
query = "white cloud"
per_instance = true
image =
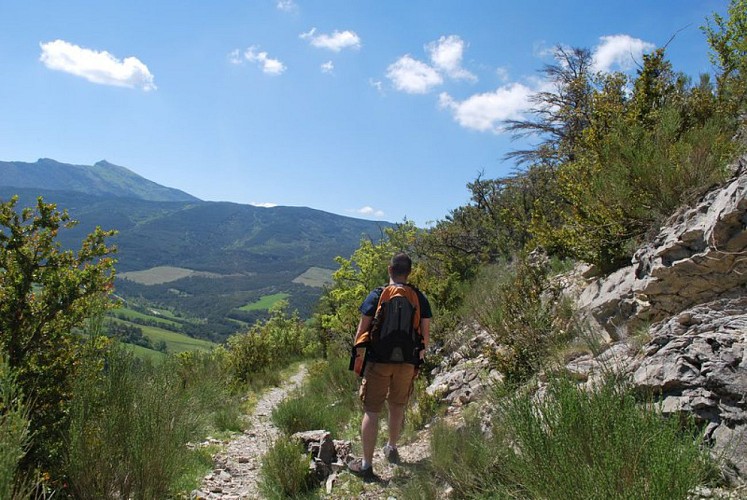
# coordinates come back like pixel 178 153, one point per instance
pixel 287 5
pixel 485 112
pixel 446 55
pixel 377 84
pixel 328 67
pixel 335 42
pixel 269 66
pixel 413 76
pixel 370 212
pixel 263 204
pixel 620 52
pixel 97 67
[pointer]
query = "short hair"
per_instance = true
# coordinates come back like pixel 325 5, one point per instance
pixel 401 264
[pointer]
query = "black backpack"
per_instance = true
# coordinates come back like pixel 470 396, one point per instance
pixel 395 335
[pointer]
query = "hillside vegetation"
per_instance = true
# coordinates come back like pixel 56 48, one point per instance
pixel 83 418
pixel 205 260
pixel 614 158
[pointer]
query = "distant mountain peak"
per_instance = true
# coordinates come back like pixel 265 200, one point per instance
pixel 101 179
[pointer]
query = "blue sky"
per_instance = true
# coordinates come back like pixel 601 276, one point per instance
pixel 373 109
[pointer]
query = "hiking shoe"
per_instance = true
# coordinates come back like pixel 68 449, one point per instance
pixel 391 454
pixel 356 467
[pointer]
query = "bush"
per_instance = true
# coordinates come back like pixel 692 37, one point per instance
pixel 327 400
pixel 572 443
pixel 269 345
pixel 598 444
pixel 465 458
pixel 130 421
pixel 526 316
pixel 45 293
pixel 285 471
pixel 14 434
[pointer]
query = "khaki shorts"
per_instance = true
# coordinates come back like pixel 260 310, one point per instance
pixel 390 382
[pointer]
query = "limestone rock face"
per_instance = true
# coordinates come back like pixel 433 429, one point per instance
pixel 687 290
pixel 699 256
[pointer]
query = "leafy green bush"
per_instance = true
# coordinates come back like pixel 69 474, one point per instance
pixel 285 471
pixel 573 443
pixel 269 344
pixel 45 293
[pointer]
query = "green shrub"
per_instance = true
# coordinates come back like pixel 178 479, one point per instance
pixel 465 458
pixel 45 293
pixel 130 421
pixel 571 443
pixel 14 434
pixel 327 400
pixel 269 345
pixel 285 471
pixel 526 315
pixel 424 407
pixel 598 444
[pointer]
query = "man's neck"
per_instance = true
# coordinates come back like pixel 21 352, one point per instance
pixel 394 280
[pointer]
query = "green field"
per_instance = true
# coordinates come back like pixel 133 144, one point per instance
pixel 175 342
pixel 265 302
pixel 145 353
pixel 315 277
pixel 131 314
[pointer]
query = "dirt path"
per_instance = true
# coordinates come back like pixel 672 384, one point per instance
pixel 236 472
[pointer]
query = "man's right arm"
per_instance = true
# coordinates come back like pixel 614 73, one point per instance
pixel 363 325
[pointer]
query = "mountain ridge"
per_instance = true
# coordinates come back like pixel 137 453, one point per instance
pixel 238 253
pixel 102 178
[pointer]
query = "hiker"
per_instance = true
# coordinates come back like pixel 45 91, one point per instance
pixel 390 366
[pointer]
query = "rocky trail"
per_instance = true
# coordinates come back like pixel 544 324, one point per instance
pixel 236 473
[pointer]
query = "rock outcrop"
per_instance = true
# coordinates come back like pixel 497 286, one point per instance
pixel 686 292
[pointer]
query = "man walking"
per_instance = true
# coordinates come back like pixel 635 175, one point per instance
pixel 389 377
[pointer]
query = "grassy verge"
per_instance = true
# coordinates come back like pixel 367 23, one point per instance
pixel 327 401
pixel 573 444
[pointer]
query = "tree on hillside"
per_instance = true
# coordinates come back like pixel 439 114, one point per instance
pixel 45 293
pixel 560 115
pixel 727 37
pixel 366 269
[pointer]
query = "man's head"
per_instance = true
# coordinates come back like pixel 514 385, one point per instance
pixel 400 266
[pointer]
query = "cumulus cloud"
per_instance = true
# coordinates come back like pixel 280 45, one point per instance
pixel 446 55
pixel 268 65
pixel 417 77
pixel 335 42
pixel 287 5
pixel 263 204
pixel 328 67
pixel 619 52
pixel 370 212
pixel 96 67
pixel 485 112
pixel 413 76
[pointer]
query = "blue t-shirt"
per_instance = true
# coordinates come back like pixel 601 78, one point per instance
pixel 368 308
